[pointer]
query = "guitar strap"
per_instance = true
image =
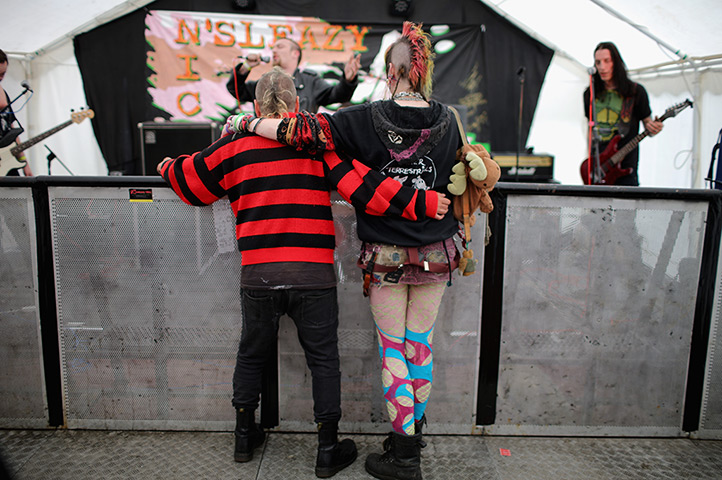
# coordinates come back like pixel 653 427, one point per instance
pixel 625 116
pixel 466 200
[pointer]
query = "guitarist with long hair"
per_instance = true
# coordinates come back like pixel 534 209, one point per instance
pixel 619 106
pixel 7 117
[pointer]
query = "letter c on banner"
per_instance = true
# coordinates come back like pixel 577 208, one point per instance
pixel 194 111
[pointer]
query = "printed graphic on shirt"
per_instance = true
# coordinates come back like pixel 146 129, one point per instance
pixel 609 109
pixel 420 174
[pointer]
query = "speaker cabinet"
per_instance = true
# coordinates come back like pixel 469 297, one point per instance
pixel 169 139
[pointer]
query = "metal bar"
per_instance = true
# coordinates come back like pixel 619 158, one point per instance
pixel 491 313
pixel 48 306
pixel 644 31
pixel 702 318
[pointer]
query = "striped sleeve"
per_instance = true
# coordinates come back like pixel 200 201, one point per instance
pixel 375 193
pixel 191 177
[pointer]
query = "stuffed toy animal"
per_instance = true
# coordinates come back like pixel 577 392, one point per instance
pixel 474 175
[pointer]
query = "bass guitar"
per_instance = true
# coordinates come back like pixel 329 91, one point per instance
pixel 8 159
pixel 609 171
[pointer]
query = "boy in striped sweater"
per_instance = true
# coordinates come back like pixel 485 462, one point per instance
pixel 285 233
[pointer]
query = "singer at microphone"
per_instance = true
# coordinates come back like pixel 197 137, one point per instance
pixel 312 90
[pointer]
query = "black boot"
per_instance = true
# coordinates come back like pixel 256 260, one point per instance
pixel 419 424
pixel 418 427
pixel 401 461
pixel 249 435
pixel 333 456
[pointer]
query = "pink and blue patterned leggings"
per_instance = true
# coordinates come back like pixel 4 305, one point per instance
pixel 405 317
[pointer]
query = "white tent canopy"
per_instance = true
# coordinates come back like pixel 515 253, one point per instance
pixel 673 48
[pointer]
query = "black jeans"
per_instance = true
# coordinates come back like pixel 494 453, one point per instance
pixel 315 313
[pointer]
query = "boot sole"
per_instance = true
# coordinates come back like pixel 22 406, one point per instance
pixel 377 475
pixel 243 458
pixel 323 472
pixel 382 477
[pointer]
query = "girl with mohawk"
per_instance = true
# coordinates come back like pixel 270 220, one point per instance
pixel 406 264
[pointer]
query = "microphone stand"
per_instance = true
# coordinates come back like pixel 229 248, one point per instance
pixel 52 156
pixel 520 73
pixel 594 172
pixel 7 107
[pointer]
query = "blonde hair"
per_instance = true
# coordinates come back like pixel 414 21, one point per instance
pixel 275 93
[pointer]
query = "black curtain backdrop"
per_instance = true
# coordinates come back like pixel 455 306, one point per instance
pixel 112 63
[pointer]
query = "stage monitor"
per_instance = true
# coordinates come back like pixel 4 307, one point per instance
pixel 170 139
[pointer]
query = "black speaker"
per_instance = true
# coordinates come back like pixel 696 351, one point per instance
pixel 170 139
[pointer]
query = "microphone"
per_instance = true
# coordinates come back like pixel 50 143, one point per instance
pixel 26 85
pixel 591 70
pixel 520 71
pixel 262 58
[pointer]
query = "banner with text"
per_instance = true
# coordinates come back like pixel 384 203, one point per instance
pixel 190 56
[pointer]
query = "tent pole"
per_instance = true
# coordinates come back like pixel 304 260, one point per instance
pixel 697 171
pixel 679 66
pixel 644 31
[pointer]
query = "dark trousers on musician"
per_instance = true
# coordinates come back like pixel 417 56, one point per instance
pixel 315 313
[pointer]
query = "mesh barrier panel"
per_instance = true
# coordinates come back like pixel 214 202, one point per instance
pixel 22 393
pixel 149 310
pixel 599 298
pixel 150 319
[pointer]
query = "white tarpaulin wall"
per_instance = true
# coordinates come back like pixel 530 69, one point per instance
pixel 647 35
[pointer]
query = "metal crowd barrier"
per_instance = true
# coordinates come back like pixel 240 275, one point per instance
pixel 594 311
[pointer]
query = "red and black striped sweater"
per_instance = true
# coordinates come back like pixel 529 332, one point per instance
pixel 281 197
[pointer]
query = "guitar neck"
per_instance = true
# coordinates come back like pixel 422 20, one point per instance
pixel 628 147
pixel 610 162
pixel 632 144
pixel 29 143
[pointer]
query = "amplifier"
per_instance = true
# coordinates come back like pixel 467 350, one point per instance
pixel 170 139
pixel 533 167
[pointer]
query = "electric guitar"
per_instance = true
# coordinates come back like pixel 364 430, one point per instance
pixel 8 160
pixel 609 171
